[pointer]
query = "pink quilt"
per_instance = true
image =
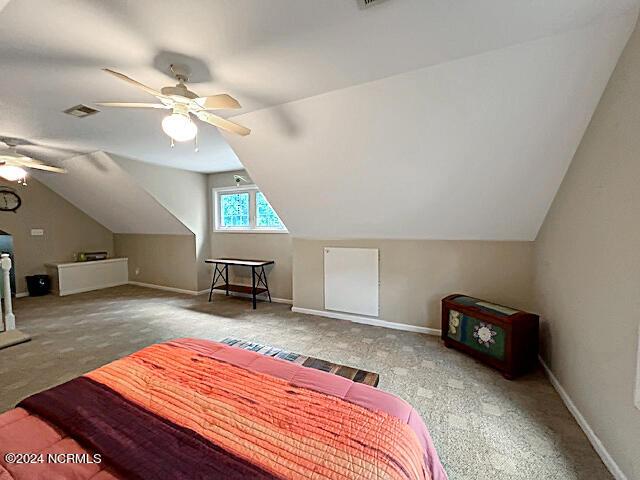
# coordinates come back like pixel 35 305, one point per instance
pixel 22 432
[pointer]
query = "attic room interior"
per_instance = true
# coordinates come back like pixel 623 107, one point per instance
pixel 347 239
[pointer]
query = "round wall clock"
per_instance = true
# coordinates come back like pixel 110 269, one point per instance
pixel 9 200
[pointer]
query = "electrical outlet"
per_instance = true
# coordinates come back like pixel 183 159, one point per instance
pixel 137 271
pixel 37 232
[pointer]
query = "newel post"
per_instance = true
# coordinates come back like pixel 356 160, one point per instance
pixel 9 317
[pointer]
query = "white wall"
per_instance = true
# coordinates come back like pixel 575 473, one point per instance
pixel 96 184
pixel 181 192
pixel 470 149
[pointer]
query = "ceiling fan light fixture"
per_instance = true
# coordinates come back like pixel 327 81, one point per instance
pixel 12 173
pixel 179 126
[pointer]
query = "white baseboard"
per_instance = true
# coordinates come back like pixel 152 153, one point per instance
pixel 248 295
pixel 203 292
pixel 367 321
pixel 168 289
pixel 608 460
pixel 22 294
pixel 89 289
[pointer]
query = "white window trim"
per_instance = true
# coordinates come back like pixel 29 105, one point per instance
pixel 251 190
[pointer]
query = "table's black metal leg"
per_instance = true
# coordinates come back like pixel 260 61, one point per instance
pixel 226 277
pixel 266 284
pixel 213 281
pixel 253 286
pixel 217 273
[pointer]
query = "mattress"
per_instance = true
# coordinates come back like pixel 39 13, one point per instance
pixel 193 408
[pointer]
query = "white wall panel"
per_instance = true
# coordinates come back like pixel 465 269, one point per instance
pixel 351 280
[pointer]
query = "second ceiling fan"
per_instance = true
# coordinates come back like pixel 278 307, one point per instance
pixel 13 164
pixel 183 103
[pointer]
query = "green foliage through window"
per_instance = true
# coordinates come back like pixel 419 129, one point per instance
pixel 234 210
pixel 266 217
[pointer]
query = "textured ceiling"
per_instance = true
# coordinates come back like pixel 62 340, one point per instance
pixel 263 52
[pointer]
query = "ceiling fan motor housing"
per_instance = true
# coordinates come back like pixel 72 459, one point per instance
pixel 179 90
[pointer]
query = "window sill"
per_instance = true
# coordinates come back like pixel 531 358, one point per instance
pixel 248 230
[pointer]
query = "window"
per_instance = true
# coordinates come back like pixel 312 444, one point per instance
pixel 266 216
pixel 245 209
pixel 234 210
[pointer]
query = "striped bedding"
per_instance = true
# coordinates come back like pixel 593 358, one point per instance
pixel 194 409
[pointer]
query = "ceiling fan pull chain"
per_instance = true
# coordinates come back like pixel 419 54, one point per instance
pixel 172 143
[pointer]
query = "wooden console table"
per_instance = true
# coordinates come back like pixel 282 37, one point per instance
pixel 258 277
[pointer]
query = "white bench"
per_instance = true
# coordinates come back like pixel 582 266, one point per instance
pixel 76 277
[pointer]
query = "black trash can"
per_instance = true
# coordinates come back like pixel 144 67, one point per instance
pixel 38 285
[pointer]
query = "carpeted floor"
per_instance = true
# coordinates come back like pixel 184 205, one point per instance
pixel 484 427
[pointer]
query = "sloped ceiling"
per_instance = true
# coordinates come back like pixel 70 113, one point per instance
pixel 100 187
pixel 474 148
pixel 264 52
pixel 409 119
pixel 184 194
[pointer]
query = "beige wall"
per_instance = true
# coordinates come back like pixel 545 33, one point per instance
pixel 416 274
pixel 587 275
pixel 67 230
pixel 276 247
pixel 165 260
pixel 271 246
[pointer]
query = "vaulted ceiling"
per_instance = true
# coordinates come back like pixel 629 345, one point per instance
pixel 474 148
pixel 264 52
pixel 410 119
pixel 106 190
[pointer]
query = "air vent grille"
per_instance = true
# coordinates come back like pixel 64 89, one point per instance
pixel 369 3
pixel 81 111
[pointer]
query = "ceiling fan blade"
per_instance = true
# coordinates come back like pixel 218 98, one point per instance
pixel 29 163
pixel 217 102
pixel 134 83
pixel 223 123
pixel 47 168
pixel 8 158
pixel 22 160
pixel 132 105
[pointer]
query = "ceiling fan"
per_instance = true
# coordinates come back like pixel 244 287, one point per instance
pixel 13 164
pixel 183 103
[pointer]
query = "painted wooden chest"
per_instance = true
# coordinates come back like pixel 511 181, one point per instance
pixel 502 337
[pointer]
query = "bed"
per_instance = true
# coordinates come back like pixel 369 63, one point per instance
pixel 196 409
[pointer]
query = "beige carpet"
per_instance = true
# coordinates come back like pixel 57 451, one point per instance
pixel 484 427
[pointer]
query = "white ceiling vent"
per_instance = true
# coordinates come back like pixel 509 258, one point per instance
pixel 81 111
pixel 369 3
